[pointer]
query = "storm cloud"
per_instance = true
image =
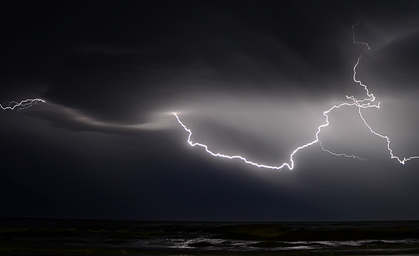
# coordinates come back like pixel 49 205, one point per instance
pixel 248 78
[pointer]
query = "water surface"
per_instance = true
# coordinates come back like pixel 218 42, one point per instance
pixel 115 237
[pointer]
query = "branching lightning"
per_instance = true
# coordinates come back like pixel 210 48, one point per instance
pixel 24 104
pixel 360 104
pixel 367 102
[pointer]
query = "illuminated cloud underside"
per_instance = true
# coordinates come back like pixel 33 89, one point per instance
pixel 367 102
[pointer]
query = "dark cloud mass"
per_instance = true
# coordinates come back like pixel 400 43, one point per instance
pixel 248 77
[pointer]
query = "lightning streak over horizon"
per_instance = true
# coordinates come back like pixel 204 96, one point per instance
pixel 24 104
pixel 360 104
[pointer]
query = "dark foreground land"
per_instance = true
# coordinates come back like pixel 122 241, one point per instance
pixel 106 237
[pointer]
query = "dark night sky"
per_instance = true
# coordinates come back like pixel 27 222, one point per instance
pixel 248 77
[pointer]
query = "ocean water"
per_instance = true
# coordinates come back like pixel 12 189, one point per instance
pixel 115 237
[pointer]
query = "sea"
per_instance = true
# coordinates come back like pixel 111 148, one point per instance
pixel 25 236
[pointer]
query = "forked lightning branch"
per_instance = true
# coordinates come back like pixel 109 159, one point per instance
pixel 14 105
pixel 367 102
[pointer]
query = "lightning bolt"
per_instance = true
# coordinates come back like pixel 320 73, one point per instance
pixel 360 104
pixel 24 104
pixel 371 98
